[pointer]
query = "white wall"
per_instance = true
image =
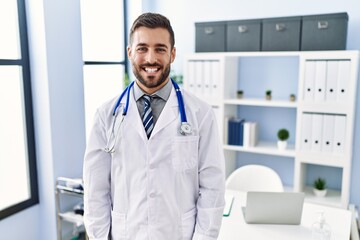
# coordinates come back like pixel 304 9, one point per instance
pixel 184 14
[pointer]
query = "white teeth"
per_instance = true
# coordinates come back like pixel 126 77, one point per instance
pixel 152 70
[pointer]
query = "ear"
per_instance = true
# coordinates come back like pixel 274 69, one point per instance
pixel 129 52
pixel 173 54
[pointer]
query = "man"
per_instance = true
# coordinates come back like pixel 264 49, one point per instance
pixel 152 181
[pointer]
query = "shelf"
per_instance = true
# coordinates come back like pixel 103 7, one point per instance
pixel 261 102
pixel 72 217
pixel 70 191
pixel 332 108
pixel 268 148
pixel 324 159
pixel 332 198
pixel 72 188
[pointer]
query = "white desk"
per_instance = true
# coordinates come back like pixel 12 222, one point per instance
pixel 234 226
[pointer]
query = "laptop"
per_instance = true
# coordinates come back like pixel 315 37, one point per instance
pixel 274 207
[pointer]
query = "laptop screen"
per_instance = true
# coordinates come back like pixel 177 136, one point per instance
pixel 274 207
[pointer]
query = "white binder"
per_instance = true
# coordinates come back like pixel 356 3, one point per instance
pixel 247 134
pixel 320 81
pixel 215 79
pixel 191 76
pixel 328 133
pixel 309 81
pixel 254 132
pixel 343 80
pixel 331 81
pixel 339 134
pixel 199 78
pixel 306 129
pixel 316 136
pixel 207 78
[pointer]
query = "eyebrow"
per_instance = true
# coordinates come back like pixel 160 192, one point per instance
pixel 156 45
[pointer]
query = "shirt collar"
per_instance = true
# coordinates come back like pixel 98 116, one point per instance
pixel 163 92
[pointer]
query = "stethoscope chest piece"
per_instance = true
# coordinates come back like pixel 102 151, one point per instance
pixel 185 128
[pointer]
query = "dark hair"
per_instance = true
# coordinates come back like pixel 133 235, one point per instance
pixel 152 20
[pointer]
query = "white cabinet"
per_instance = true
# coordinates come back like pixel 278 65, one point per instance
pixel 71 188
pixel 320 121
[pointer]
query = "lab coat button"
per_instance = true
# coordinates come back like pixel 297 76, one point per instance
pixel 152 195
pixel 152 166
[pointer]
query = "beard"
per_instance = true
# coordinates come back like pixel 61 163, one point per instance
pixel 151 82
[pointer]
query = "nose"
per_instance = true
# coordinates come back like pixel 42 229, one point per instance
pixel 151 57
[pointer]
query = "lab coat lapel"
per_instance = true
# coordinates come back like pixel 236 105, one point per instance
pixel 133 118
pixel 169 113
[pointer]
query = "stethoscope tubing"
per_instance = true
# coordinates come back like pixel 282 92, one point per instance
pixel 185 128
pixel 127 91
pixel 181 102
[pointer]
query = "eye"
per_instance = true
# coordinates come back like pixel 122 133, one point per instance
pixel 161 50
pixel 141 49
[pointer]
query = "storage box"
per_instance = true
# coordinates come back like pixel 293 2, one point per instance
pixel 324 32
pixel 210 37
pixel 281 34
pixel 243 35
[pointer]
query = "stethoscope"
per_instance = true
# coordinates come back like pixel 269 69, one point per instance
pixel 185 127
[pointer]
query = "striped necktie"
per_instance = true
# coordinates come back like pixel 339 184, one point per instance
pixel 148 120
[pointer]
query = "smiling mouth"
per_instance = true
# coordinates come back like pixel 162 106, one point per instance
pixel 151 69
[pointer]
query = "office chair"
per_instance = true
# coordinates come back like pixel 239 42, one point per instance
pixel 254 178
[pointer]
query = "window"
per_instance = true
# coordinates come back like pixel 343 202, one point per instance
pixel 103 26
pixel 18 179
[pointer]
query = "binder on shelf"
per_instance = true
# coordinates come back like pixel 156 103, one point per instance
pixel 254 134
pixel 306 129
pixel 343 81
pixel 207 78
pixel 250 138
pixel 316 136
pixel 236 131
pixel 239 134
pixel 215 79
pixel 231 131
pixel 339 134
pixel 320 81
pixel 247 134
pixel 328 133
pixel 331 81
pixel 309 80
pixel 191 76
pixel 199 77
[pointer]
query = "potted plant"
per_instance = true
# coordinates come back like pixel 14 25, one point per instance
pixel 268 95
pixel 320 187
pixel 283 135
pixel 292 97
pixel 240 94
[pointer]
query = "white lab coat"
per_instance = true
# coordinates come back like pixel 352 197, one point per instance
pixel 168 187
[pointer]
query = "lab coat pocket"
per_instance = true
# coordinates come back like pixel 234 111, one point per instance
pixel 118 225
pixel 185 152
pixel 188 223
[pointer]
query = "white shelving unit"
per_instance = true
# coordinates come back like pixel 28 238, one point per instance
pixel 64 186
pixel 216 77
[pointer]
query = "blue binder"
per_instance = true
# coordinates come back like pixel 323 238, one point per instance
pixel 236 131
